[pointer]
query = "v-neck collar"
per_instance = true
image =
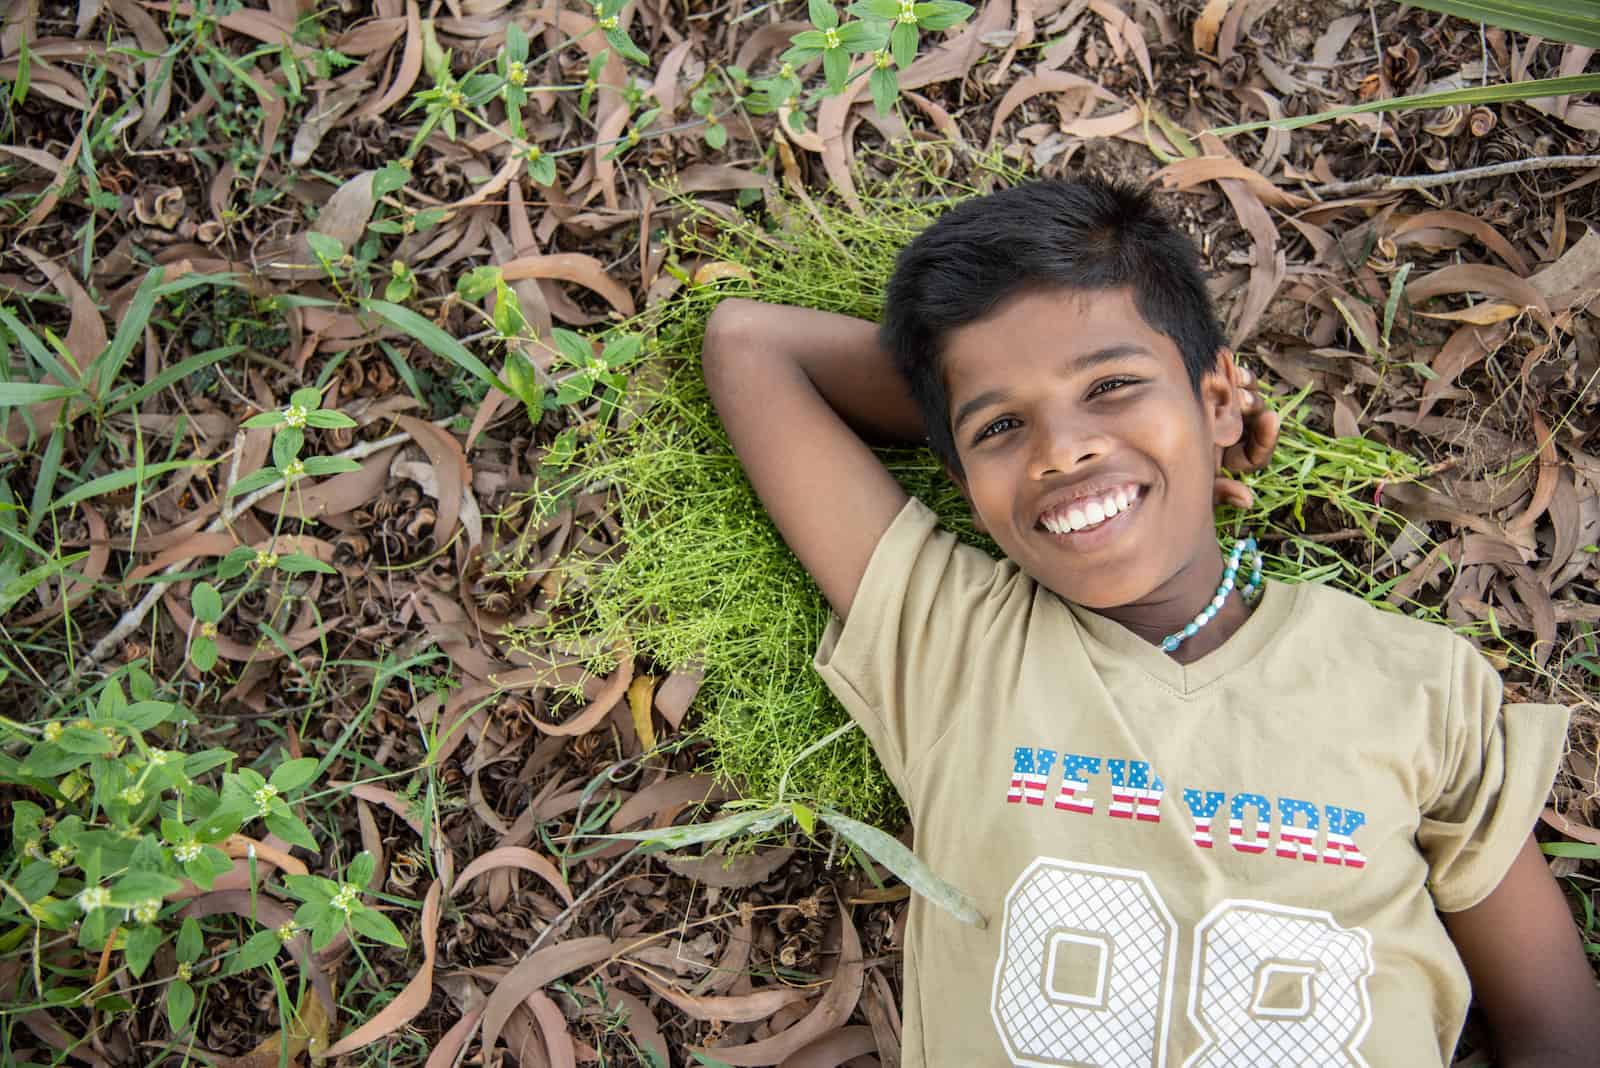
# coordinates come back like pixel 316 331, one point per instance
pixel 1271 613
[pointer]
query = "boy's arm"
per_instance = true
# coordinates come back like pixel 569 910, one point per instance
pixel 1528 971
pixel 800 393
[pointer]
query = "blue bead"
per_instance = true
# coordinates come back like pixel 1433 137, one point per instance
pixel 1190 630
pixel 1170 644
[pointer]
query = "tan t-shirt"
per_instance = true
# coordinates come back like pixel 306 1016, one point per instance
pixel 1231 862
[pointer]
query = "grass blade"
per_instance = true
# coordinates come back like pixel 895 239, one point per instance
pixel 440 343
pixel 176 373
pixel 1571 21
pixel 37 349
pixel 19 394
pixel 121 480
pixel 888 851
pixel 1483 94
pixel 111 362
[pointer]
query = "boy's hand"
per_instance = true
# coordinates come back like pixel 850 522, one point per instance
pixel 1254 447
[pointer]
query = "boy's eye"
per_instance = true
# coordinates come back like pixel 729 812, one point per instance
pixel 999 426
pixel 1110 384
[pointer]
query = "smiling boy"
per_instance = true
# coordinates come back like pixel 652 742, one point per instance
pixel 1206 828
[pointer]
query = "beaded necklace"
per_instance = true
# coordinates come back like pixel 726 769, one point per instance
pixel 1244 545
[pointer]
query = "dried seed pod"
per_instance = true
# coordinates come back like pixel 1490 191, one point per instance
pixel 1446 121
pixel 1385 256
pixel 1481 121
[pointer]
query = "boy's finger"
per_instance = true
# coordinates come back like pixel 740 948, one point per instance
pixel 1231 491
pixel 1263 437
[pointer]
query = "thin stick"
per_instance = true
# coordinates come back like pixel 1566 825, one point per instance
pixel 1387 184
pixel 133 617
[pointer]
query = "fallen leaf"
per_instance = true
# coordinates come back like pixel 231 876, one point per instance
pixel 571 267
pixel 831 1051
pixel 514 857
pixel 1207 25
pixel 533 973
pixel 730 873
pixel 639 693
pixel 736 1008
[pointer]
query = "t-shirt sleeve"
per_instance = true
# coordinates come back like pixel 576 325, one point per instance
pixel 1497 765
pixel 897 663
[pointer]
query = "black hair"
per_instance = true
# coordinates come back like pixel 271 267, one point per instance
pixel 1084 234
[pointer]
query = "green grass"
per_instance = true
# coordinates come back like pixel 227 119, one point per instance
pixel 704 579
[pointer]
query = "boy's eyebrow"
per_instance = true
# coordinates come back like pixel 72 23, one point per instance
pixel 1078 363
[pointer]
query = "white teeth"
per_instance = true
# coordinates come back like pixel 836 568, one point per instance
pixel 1094 513
pixel 1052 525
pixel 1110 506
pixel 1122 500
pixel 1076 519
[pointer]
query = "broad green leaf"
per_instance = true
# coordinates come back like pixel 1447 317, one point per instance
pixel 433 338
pixel 84 742
pixel 836 67
pixel 885 89
pixel 624 45
pixel 326 419
pixel 876 9
pixel 716 136
pixel 477 283
pixel 204 869
pixel 264 419
pixel 888 851
pixel 137 886
pixel 621 351
pixel 376 925
pixel 823 15
pixel 292 831
pixel 18 394
pixel 1577 84
pixel 203 653
pixel 262 947
pixel 324 246
pixel 1581 850
pixel 191 943
pixel 255 480
pixel 142 942
pixel 319 466
pixel 286 446
pixel 516 43
pixel 300 563
pixel 508 317
pixel 542 170
pixel 173 375
pixel 754 821
pixel 903 43
pixel 941 14
pixel 389 178
pixel 236 562
pixel 293 774
pixel 308 397
pixel 805 816
pixel 180 1004
pixel 1570 21
pixel 864 36
pixel 207 602
pixel 142 715
pixel 573 347
pixel 36 879
pixel 358 872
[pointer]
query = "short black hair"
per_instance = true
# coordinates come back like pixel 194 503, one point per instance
pixel 1086 234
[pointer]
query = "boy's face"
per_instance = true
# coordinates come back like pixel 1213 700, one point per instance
pixel 1087 456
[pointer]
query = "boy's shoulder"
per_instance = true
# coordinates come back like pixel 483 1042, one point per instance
pixel 1341 620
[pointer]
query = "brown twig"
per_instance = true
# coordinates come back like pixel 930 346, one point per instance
pixel 1387 184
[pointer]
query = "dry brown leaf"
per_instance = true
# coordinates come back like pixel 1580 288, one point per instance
pixel 410 67
pixel 831 1051
pixel 1053 81
pixel 533 973
pixel 674 696
pixel 1461 222
pixel 730 873
pixel 640 1022
pixel 1575 275
pixel 323 116
pixel 575 267
pixel 514 857
pixel 1572 829
pixel 238 847
pixel 736 1008
pixel 664 799
pixel 450 1043
pixel 1464 349
pixel 449 463
pixel 589 718
pixel 831 1011
pixel 1122 29
pixel 1187 173
pixel 410 1001
pixel 1478 278
pixel 1485 314
pixel 553 1029
pixel 1207 25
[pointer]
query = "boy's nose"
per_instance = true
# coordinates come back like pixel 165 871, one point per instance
pixel 1061 447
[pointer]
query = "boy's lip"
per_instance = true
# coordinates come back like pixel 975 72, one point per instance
pixel 1087 490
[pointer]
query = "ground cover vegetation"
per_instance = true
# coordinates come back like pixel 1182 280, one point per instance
pixel 395 669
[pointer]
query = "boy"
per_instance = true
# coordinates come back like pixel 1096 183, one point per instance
pixel 1205 829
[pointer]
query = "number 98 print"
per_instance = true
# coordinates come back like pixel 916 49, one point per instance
pixel 1087 960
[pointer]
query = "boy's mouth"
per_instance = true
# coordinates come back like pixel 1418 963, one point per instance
pixel 1084 514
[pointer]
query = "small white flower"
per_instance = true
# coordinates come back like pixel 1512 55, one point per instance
pixel 52 732
pixel 187 853
pixel 61 856
pixel 294 416
pixel 294 470
pixel 94 897
pixel 264 798
pixel 133 795
pixel 265 559
pixel 147 910
pixel 285 930
pixel 159 757
pixel 345 899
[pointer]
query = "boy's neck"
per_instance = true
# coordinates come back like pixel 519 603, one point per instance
pixel 1169 609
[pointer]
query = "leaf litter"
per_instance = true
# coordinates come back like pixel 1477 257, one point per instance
pixel 1451 325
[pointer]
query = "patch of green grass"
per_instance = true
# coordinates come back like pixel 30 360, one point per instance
pixel 705 580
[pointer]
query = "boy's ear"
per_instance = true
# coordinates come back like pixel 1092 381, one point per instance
pixel 1219 394
pixel 961 484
